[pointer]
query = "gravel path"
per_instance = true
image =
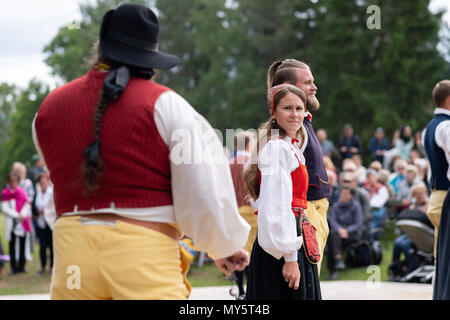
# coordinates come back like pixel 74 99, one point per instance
pixel 331 290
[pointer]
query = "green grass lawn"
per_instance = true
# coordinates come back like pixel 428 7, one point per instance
pixel 207 275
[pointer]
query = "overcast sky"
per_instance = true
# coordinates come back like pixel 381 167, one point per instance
pixel 26 26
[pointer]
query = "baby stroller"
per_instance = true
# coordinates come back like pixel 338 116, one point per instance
pixel 416 225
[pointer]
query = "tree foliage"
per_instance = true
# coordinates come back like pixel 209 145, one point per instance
pixel 69 51
pixel 8 94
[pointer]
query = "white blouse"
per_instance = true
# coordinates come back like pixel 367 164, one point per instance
pixel 277 233
pixel 204 203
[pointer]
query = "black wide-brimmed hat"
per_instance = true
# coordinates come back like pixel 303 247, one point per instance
pixel 129 35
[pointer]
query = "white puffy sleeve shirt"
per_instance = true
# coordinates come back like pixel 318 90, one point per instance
pixel 277 233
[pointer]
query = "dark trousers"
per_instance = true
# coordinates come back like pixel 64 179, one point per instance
pixel 46 242
pixel 403 244
pixel 240 275
pixel 17 266
pixel 1 253
pixel 336 245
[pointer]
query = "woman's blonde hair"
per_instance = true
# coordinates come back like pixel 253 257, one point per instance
pixel 264 135
pixel 418 187
pixel 284 72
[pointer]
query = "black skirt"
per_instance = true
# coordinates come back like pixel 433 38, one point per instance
pixel 266 282
pixel 441 290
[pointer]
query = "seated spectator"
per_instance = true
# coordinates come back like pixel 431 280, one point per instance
pixel 378 145
pixel 379 195
pixel 20 170
pixel 329 165
pixel 404 189
pixel 418 144
pixel 349 144
pixel 348 165
pixel 16 206
pixel 404 244
pixel 398 175
pixel 413 155
pixel 360 169
pixel 346 223
pixel 3 258
pixel 395 137
pixel 423 166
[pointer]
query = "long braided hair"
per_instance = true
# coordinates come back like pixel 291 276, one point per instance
pixel 119 74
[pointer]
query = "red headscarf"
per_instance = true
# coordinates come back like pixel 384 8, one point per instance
pixel 21 197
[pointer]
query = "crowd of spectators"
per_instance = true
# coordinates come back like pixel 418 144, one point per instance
pixel 27 203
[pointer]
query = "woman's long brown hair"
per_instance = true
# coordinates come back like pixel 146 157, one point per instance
pixel 92 171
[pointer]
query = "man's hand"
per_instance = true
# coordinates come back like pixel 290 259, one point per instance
pixel 236 262
pixel 291 274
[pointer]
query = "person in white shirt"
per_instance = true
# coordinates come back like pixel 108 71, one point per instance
pixel 277 179
pixel 436 139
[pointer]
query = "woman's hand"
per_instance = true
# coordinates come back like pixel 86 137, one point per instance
pixel 291 274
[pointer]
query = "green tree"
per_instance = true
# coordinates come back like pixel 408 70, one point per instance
pixel 217 74
pixel 379 77
pixel 19 146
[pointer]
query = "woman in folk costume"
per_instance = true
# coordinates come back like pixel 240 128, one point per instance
pixel 112 140
pixel 283 263
pixel 17 208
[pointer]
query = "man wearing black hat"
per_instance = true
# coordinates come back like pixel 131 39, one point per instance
pixel 122 195
pixel 298 73
pixel 436 137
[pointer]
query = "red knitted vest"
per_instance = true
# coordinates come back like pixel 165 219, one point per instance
pixel 136 170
